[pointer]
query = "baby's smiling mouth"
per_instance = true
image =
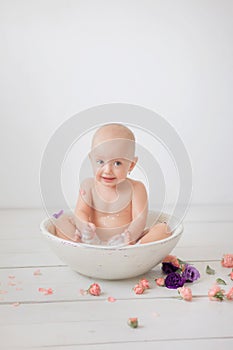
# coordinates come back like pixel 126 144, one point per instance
pixel 108 178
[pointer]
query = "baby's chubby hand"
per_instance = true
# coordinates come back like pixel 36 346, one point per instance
pixel 88 233
pixel 120 239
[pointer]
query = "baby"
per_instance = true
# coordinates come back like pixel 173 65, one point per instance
pixel 111 208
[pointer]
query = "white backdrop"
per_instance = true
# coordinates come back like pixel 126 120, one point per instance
pixel 59 57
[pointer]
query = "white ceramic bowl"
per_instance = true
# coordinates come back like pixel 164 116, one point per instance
pixel 109 262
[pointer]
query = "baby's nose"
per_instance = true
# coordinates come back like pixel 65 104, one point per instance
pixel 108 168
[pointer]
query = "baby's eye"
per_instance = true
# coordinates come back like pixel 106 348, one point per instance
pixel 117 163
pixel 100 162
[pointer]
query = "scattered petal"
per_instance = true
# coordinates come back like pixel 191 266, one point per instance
pixel 11 283
pixel 209 270
pixel 11 276
pixel 111 299
pixel 46 291
pixel 220 281
pixel 3 291
pixel 15 304
pixel 133 322
pixel 83 292
pixel 56 215
pixel 18 289
pixel 37 272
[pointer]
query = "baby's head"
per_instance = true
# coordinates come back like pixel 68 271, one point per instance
pixel 113 151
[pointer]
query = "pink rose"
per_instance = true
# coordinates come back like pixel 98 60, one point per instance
pixel 94 289
pixel 139 289
pixel 185 293
pixel 229 295
pixel 227 260
pixel 160 282
pixel 172 259
pixel 216 293
pixel 145 283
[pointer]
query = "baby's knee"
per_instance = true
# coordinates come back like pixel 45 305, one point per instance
pixel 65 227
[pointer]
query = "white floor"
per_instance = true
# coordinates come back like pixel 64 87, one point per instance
pixel 68 320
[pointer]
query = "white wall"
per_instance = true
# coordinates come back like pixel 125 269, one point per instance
pixel 59 57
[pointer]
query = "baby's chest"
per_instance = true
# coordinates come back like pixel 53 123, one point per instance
pixel 112 219
pixel 119 206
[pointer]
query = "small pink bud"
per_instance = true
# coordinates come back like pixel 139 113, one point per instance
pixel 227 260
pixel 133 322
pixel 138 289
pixel 185 293
pixel 160 282
pixel 229 295
pixel 216 293
pixel 94 289
pixel 145 283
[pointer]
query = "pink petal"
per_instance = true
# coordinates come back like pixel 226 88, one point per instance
pixel 111 299
pixel 83 292
pixel 46 291
pixel 11 276
pixel 11 283
pixel 37 273
pixel 49 291
pixel 15 304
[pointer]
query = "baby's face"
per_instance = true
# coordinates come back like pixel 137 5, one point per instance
pixel 112 160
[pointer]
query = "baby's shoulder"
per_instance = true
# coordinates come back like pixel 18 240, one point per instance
pixel 137 185
pixel 86 185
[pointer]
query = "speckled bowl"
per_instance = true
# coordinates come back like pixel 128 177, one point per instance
pixel 113 263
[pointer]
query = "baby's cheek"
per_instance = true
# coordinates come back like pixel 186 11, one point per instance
pixel 98 174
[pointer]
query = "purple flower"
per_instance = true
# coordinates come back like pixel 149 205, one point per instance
pixel 168 267
pixel 190 273
pixel 174 280
pixel 56 215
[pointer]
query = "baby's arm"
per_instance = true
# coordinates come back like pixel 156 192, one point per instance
pixel 83 213
pixel 139 212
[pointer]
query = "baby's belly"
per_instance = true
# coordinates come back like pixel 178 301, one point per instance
pixel 108 225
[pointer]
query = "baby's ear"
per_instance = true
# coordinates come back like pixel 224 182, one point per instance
pixel 133 163
pixel 90 156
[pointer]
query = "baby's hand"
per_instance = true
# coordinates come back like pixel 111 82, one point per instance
pixel 89 233
pixel 120 239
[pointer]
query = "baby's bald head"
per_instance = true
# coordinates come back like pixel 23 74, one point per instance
pixel 114 141
pixel 110 132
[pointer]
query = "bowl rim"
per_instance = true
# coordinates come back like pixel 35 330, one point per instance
pixel 177 232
